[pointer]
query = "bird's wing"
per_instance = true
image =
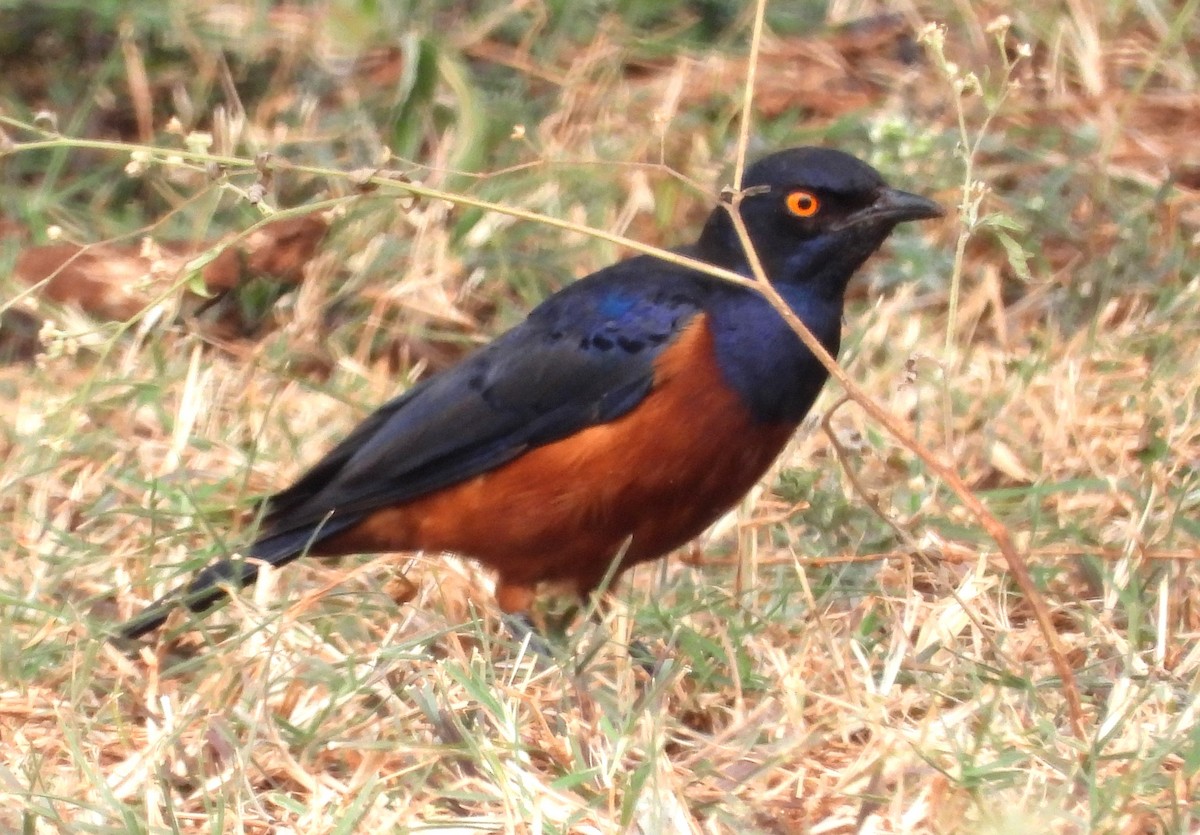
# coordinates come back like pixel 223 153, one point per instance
pixel 584 357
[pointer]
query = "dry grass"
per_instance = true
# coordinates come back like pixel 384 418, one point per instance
pixel 820 668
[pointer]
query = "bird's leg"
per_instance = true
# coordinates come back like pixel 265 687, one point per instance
pixel 525 632
pixel 601 603
pixel 639 653
pixel 516 601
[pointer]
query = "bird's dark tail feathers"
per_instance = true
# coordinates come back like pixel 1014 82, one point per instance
pixel 211 585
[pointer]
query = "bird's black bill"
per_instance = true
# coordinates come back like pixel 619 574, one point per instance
pixel 895 206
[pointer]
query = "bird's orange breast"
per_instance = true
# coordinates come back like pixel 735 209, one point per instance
pixel 657 476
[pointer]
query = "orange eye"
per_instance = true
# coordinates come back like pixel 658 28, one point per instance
pixel 803 203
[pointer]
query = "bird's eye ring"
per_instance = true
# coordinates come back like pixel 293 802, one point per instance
pixel 803 203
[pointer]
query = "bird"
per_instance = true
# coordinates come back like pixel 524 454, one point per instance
pixel 624 415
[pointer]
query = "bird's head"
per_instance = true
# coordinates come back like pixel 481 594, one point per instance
pixel 814 215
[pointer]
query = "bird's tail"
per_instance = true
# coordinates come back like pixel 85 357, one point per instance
pixel 212 584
